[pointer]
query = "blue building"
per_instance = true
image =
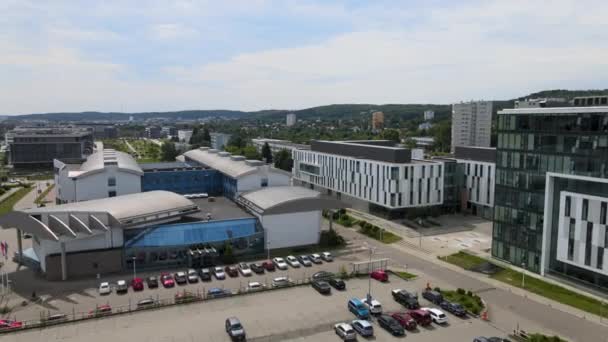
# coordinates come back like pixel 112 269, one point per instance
pixel 181 178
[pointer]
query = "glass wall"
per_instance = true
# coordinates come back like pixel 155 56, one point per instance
pixel 183 181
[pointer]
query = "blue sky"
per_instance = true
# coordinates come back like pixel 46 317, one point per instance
pixel 257 54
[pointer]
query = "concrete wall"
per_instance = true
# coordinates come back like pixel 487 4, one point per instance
pixel 85 263
pixel 293 229
pixel 95 185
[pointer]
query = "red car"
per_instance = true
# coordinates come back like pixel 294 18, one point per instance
pixel 268 265
pixel 7 324
pixel 379 275
pixel 101 310
pixel 405 320
pixel 137 284
pixel 422 317
pixel 167 280
pixel 231 271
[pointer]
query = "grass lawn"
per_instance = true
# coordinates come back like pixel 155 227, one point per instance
pixel 42 196
pixel 388 237
pixel 471 303
pixel 404 275
pixel 464 260
pixel 8 204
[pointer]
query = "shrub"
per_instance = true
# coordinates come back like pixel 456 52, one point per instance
pixel 475 310
pixel 469 293
pixel 330 238
pixel 437 289
pixel 460 291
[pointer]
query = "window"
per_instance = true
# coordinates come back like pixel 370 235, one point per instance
pixel 571 239
pixel 585 211
pixel 603 213
pixel 112 181
pixel 111 193
pixel 600 258
pixel 588 245
pixel 567 206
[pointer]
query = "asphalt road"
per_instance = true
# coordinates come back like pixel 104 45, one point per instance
pixel 507 309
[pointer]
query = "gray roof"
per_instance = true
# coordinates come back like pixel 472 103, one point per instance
pixel 99 160
pixel 285 199
pixel 222 161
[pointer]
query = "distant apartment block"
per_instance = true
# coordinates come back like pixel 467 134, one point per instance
pixel 100 130
pixel 429 115
pixel 377 121
pixel 423 142
pixel 168 131
pixel 219 140
pixel 277 145
pixel 425 126
pixel 184 135
pixel 290 119
pixel 37 147
pixel 471 124
pixel 153 132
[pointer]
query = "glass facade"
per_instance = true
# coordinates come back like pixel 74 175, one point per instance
pixel 183 181
pixel 529 146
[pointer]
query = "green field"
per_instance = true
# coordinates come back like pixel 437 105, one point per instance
pixel 147 152
pixel 470 301
pixel 404 275
pixel 8 204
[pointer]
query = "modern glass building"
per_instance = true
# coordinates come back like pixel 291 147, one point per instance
pixel 551 171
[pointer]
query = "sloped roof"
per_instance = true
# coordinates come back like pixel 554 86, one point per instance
pixel 222 161
pixel 285 199
pixel 100 159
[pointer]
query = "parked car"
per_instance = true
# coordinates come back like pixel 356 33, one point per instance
pixel 104 288
pixel 358 308
pixel 437 315
pixel 192 276
pixel 280 263
pixel 434 297
pixel 57 317
pixel 181 278
pixel 405 320
pixel 281 282
pixel 345 331
pixel 7 324
pixel 337 283
pixel 231 271
pixel 205 274
pixel 421 317
pixel 454 308
pixel 321 286
pixel 315 258
pixel 379 275
pixel 121 286
pixel 405 298
pixel 218 293
pixel 373 305
pixel 391 325
pixel 152 282
pixel 292 261
pixel 363 327
pixel 219 274
pixel 245 270
pixel 146 303
pixel 323 275
pixel 304 260
pixel 167 280
pixel 327 256
pixel 257 268
pixel 102 310
pixel 235 329
pixel 137 284
pixel 255 286
pixel 268 265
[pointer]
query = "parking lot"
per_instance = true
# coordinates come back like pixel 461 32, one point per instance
pixel 298 314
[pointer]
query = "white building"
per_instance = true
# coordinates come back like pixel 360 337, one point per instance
pixel 277 145
pixel 184 135
pixel 471 124
pixel 478 168
pixel 429 115
pixel 219 140
pixel 105 173
pixel 373 172
pixel 290 119
pixel 425 126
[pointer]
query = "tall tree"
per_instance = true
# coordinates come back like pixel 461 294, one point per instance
pixel 168 151
pixel 266 153
pixel 236 141
pixel 206 135
pixel 283 160
pixel 442 134
pixel 391 134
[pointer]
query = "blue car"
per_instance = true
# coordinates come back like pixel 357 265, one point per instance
pixel 357 307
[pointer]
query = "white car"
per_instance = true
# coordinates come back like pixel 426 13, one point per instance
pixel 293 261
pixel 219 274
pixel 281 282
pixel 255 286
pixel 245 269
pixel 327 256
pixel 104 288
pixel 373 306
pixel 316 258
pixel 189 196
pixel 192 276
pixel 437 315
pixel 345 331
pixel 280 263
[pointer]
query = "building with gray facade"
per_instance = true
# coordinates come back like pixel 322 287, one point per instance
pixel 471 124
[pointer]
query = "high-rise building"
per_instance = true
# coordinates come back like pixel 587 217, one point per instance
pixel 551 193
pixel 290 119
pixel 219 140
pixel 377 121
pixel 471 124
pixel 429 115
pixel 184 135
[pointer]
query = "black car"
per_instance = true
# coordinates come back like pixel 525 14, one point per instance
pixel 321 286
pixel 454 308
pixel 152 282
pixel 391 325
pixel 205 274
pixel 257 268
pixel 407 299
pixel 434 297
pixel 181 278
pixel 323 275
pixel 337 283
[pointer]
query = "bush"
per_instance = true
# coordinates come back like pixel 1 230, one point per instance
pixel 330 238
pixel 460 291
pixel 469 293
pixel 437 289
pixel 475 310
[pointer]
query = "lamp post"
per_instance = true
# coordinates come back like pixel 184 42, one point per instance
pixel 523 275
pixel 134 273
pixel 369 286
pixel 267 247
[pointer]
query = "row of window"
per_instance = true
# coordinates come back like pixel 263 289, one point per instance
pixel 595 167
pixel 578 122
pixel 585 210
pixel 577 144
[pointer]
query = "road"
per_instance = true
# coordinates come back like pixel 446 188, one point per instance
pixel 507 309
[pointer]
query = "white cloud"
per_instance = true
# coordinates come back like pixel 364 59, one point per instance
pixel 172 31
pixel 75 34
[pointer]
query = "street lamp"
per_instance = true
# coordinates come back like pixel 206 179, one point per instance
pixel 369 286
pixel 267 246
pixel 523 275
pixel 134 273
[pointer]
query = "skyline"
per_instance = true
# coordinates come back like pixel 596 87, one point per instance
pixel 253 55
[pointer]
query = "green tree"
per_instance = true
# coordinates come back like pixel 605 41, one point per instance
pixel 442 133
pixel 390 134
pixel 250 152
pixel 168 151
pixel 410 143
pixel 206 134
pixel 266 153
pixel 237 141
pixel 283 160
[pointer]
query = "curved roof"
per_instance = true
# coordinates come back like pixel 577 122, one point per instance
pixel 285 199
pixel 100 159
pixel 222 161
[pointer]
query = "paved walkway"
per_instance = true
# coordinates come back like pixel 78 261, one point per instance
pixel 132 148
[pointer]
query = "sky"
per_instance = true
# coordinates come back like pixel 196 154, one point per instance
pixel 134 56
